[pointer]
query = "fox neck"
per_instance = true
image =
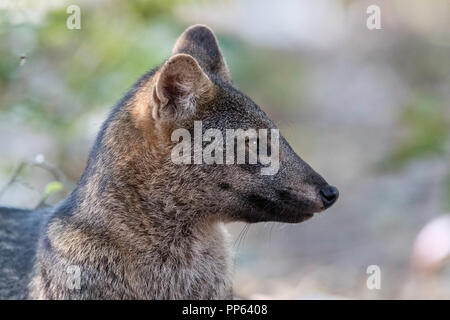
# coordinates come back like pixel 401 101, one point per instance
pixel 125 187
pixel 145 210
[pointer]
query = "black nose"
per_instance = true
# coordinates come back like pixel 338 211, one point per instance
pixel 329 195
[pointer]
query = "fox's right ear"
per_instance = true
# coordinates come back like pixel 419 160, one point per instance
pixel 200 42
pixel 180 86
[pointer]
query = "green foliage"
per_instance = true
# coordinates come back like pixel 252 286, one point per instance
pixel 426 130
pixel 69 74
pixel 53 187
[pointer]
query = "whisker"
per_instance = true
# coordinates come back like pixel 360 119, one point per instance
pixel 241 236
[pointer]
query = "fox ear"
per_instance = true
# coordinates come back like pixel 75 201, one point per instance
pixel 200 42
pixel 181 84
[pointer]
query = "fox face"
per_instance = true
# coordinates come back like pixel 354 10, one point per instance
pixel 192 94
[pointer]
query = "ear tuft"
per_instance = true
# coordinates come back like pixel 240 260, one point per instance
pixel 181 85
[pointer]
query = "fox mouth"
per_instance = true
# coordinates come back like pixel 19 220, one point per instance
pixel 284 210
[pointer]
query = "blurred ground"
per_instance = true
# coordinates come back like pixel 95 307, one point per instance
pixel 369 110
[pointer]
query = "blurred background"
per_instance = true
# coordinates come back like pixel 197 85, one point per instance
pixel 368 109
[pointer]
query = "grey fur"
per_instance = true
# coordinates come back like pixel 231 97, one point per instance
pixel 138 226
pixel 19 234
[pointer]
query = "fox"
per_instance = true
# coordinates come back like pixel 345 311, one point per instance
pixel 137 225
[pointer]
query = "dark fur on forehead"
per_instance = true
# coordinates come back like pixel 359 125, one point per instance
pixel 200 42
pixel 232 109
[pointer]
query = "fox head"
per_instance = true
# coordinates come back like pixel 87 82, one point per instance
pixel 134 152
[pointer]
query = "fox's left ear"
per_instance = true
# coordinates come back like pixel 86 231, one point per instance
pixel 200 42
pixel 180 86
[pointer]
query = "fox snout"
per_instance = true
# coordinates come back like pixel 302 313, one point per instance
pixel 290 197
pixel 300 204
pixel 305 191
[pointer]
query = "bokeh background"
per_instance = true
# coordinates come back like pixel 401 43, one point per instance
pixel 368 109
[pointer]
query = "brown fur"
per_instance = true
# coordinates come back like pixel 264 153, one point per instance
pixel 141 227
